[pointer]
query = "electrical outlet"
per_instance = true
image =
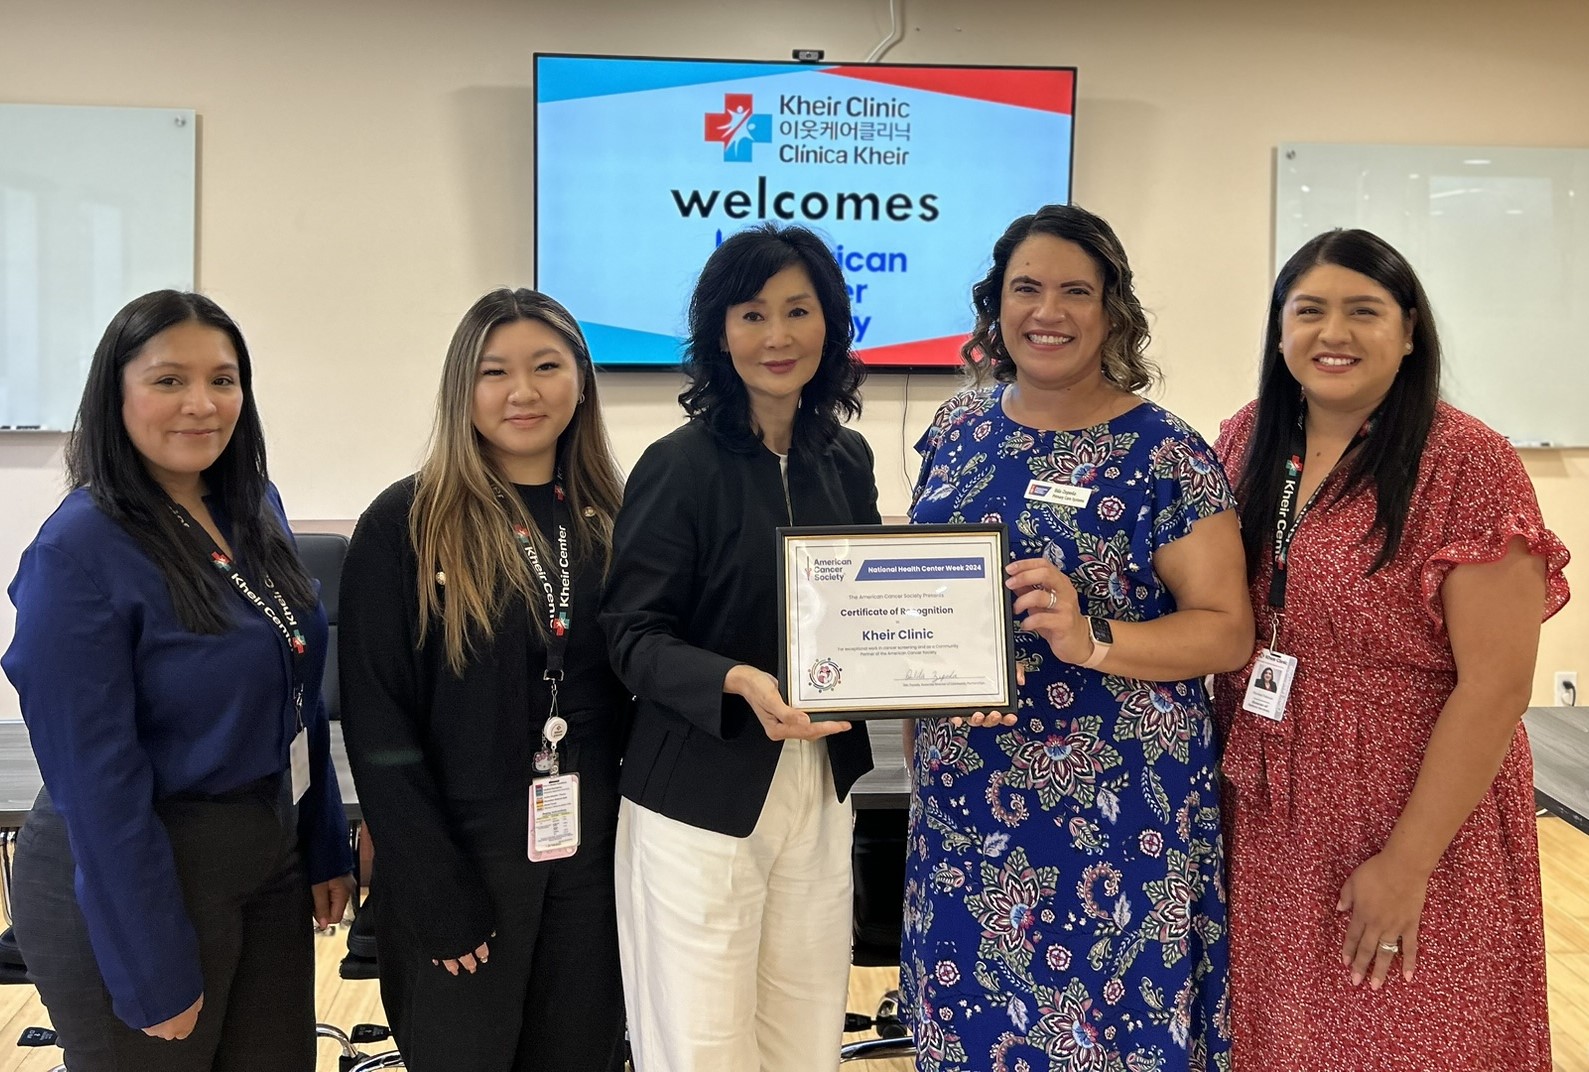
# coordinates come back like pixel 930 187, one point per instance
pixel 1566 688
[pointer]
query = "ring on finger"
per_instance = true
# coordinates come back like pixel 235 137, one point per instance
pixel 1053 598
pixel 1390 947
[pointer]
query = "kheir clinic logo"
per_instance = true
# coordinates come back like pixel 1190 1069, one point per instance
pixel 737 128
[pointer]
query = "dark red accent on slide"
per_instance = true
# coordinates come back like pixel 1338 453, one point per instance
pixel 1048 91
pixel 923 353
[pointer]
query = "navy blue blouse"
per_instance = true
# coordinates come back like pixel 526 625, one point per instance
pixel 125 706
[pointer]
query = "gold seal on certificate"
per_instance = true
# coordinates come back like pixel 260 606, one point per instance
pixel 895 621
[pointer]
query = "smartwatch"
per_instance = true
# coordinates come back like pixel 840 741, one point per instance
pixel 1102 638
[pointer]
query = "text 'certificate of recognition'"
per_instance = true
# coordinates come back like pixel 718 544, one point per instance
pixel 896 621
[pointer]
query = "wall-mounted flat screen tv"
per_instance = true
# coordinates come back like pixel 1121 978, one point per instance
pixel 644 165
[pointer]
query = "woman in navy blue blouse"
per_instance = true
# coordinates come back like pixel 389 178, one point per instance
pixel 168 652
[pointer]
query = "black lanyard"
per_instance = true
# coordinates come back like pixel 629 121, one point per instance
pixel 280 616
pixel 559 603
pixel 1289 517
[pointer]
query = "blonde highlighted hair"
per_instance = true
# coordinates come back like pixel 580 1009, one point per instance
pixel 464 508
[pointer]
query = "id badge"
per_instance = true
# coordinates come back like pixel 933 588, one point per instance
pixel 300 765
pixel 554 817
pixel 1270 685
pixel 1047 491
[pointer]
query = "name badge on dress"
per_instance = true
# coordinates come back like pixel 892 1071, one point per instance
pixel 299 758
pixel 554 817
pixel 1047 491
pixel 1270 685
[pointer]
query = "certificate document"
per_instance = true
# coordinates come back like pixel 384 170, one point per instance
pixel 895 621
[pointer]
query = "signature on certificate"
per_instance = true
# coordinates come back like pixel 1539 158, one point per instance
pixel 934 676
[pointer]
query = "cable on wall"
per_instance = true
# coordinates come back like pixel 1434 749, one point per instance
pixel 904 437
pixel 895 33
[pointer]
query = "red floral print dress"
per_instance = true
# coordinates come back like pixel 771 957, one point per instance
pixel 1310 798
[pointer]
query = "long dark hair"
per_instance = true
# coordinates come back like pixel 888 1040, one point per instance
pixel 1389 458
pixel 101 457
pixel 734 273
pixel 1124 354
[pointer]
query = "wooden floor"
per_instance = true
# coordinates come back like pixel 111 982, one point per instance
pixel 1564 853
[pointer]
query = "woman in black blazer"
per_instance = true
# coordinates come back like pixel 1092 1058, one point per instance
pixel 733 863
pixel 472 671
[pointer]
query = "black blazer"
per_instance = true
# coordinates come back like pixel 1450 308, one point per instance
pixel 420 736
pixel 693 591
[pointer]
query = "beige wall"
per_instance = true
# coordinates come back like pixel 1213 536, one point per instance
pixel 365 169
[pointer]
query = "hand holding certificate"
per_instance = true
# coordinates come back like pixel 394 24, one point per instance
pixel 896 621
pixel 761 691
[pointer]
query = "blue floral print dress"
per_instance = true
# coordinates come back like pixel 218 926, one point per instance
pixel 1064 900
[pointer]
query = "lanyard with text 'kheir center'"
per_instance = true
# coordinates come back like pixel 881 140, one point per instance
pixel 1289 517
pixel 559 619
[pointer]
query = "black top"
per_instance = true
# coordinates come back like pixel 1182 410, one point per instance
pixel 693 591
pixel 419 735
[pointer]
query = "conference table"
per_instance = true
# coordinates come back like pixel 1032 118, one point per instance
pixel 1560 737
pixel 1560 740
pixel 888 786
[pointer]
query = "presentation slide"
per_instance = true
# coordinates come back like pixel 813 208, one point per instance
pixel 643 166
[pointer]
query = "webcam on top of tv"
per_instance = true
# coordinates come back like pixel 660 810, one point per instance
pixel 808 55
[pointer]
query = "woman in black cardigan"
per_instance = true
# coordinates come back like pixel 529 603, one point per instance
pixel 472 666
pixel 733 864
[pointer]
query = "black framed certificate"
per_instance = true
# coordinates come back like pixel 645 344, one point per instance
pixel 895 621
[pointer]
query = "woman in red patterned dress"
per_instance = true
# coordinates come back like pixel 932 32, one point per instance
pixel 1384 868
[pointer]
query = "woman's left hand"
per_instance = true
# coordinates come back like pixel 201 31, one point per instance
pixel 331 899
pixel 1385 897
pixel 1052 609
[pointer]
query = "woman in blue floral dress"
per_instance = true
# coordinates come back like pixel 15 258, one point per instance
pixel 1065 910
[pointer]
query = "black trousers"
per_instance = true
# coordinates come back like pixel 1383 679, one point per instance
pixel 551 997
pixel 245 891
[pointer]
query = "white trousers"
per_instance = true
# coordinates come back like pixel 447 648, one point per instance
pixel 736 951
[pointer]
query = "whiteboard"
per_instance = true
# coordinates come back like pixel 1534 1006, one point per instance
pixel 96 208
pixel 1500 239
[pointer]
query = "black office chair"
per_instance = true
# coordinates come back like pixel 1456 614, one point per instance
pixel 14 971
pixel 12 968
pixel 878 864
pixel 322 554
pixel 361 960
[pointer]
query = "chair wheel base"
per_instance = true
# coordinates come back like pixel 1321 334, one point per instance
pixel 392 1059
pixel 878 1049
pixel 37 1036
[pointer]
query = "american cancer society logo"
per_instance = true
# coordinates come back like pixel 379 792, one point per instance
pixel 824 675
pixel 737 128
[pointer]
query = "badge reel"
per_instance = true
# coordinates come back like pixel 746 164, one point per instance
pixel 554 799
pixel 1270 685
pixel 546 761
